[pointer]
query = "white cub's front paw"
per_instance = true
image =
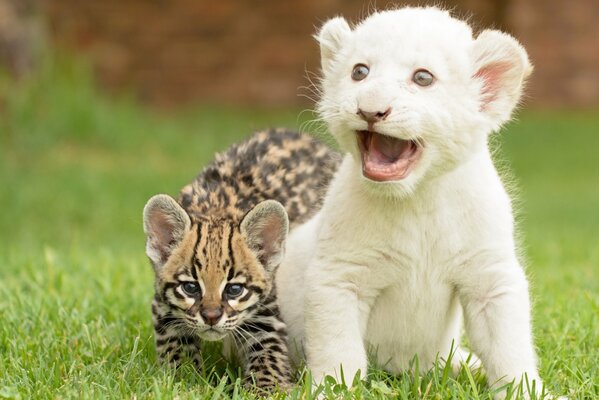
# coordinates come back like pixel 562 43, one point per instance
pixel 345 372
pixel 341 375
pixel 462 358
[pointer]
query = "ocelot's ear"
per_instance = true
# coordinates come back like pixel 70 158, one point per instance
pixel 501 65
pixel 331 37
pixel 265 230
pixel 165 224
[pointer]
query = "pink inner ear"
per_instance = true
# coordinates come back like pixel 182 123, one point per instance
pixel 161 226
pixel 271 232
pixel 269 238
pixel 162 230
pixel 491 74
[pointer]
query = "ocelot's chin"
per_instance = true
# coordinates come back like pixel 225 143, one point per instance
pixel 212 334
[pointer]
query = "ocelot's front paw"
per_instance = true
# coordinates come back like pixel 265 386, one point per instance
pixel 264 387
pixel 175 359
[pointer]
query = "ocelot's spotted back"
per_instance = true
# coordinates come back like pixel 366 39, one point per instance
pixel 291 168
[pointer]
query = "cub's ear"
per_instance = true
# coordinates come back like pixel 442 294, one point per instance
pixel 265 229
pixel 331 37
pixel 165 224
pixel 502 66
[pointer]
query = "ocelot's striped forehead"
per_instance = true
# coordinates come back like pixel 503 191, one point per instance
pixel 214 244
pixel 215 251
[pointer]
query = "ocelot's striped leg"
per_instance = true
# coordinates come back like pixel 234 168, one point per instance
pixel 174 344
pixel 264 351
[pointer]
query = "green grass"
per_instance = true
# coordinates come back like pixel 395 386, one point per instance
pixel 75 285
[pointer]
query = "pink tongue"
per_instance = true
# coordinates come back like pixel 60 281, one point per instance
pixel 385 149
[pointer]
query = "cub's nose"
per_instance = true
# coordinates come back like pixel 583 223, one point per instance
pixel 374 116
pixel 211 315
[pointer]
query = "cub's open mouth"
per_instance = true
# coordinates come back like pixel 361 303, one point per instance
pixel 385 158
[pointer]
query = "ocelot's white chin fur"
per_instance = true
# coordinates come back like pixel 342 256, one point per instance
pixel 411 95
pixel 213 334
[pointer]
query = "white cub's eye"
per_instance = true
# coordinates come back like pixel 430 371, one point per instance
pixel 359 72
pixel 423 78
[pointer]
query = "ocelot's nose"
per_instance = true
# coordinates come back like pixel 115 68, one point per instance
pixel 374 116
pixel 211 315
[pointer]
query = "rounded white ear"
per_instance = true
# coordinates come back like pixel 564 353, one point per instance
pixel 265 229
pixel 331 37
pixel 502 66
pixel 165 224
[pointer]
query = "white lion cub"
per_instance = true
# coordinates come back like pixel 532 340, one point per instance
pixel 417 228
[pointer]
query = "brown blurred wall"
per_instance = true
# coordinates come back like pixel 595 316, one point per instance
pixel 562 38
pixel 172 52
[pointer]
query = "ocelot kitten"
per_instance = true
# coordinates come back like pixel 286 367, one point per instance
pixel 215 251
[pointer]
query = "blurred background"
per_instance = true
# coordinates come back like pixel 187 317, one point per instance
pixel 99 90
pixel 104 103
pixel 257 52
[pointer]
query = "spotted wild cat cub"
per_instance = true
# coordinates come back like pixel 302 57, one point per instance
pixel 215 251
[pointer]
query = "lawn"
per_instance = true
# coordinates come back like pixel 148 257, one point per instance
pixel 75 286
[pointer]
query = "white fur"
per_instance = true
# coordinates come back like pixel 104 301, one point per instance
pixel 393 268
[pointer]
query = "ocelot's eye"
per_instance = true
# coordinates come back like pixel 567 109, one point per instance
pixel 360 72
pixel 233 290
pixel 191 288
pixel 423 77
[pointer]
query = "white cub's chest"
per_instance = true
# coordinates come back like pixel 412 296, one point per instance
pixel 409 317
pixel 409 306
pixel 401 258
